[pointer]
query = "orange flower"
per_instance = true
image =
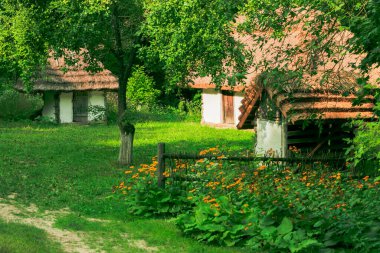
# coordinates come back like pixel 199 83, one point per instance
pixel 262 167
pixel 128 172
pixel 366 178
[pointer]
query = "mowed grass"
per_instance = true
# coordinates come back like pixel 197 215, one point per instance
pixel 17 238
pixel 74 166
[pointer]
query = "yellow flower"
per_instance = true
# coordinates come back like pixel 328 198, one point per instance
pixel 128 172
pixel 132 167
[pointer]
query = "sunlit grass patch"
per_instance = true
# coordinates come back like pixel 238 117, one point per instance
pixel 18 238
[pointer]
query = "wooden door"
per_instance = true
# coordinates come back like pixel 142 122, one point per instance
pixel 80 107
pixel 228 107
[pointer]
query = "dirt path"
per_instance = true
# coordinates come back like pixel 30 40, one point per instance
pixel 11 211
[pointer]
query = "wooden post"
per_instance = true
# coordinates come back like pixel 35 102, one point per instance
pixel 161 165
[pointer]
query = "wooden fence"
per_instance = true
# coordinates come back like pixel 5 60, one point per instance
pixel 163 157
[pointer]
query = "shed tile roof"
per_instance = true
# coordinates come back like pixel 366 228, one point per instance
pixel 53 78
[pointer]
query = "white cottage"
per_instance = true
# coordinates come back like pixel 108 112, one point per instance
pixel 70 96
pixel 279 117
pixel 220 108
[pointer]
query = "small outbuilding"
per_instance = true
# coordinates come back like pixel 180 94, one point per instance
pixel 309 111
pixel 310 119
pixel 71 94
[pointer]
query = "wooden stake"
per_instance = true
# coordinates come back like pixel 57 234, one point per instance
pixel 161 165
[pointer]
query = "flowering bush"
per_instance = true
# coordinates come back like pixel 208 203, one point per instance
pixel 267 207
pixel 143 196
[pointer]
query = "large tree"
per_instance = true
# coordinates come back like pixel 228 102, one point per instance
pixel 104 33
pixel 23 45
pixel 99 33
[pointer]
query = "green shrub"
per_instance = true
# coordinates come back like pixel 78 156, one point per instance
pixel 143 197
pixel 111 110
pixel 365 147
pixel 140 89
pixel 191 107
pixel 98 112
pixel 15 105
pixel 267 207
pixel 276 209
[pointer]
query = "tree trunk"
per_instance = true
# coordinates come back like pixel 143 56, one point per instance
pixel 125 62
pixel 127 133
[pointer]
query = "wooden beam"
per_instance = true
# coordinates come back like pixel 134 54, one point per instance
pixel 250 106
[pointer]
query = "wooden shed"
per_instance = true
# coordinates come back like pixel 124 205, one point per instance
pixel 69 93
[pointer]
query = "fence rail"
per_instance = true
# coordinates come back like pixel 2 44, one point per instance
pixel 162 157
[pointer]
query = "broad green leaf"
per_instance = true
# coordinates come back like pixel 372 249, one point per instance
pixel 304 245
pixel 285 227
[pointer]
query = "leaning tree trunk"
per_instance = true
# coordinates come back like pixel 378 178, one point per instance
pixel 127 133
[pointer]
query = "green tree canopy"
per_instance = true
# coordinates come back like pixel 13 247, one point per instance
pixel 220 38
pixel 24 29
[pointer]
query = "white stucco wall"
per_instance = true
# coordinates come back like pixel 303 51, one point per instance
pixel 271 137
pixel 212 106
pixel 238 97
pixel 49 110
pixel 66 107
pixel 96 98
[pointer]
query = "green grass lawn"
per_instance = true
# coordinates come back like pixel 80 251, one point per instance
pixel 75 166
pixel 17 238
